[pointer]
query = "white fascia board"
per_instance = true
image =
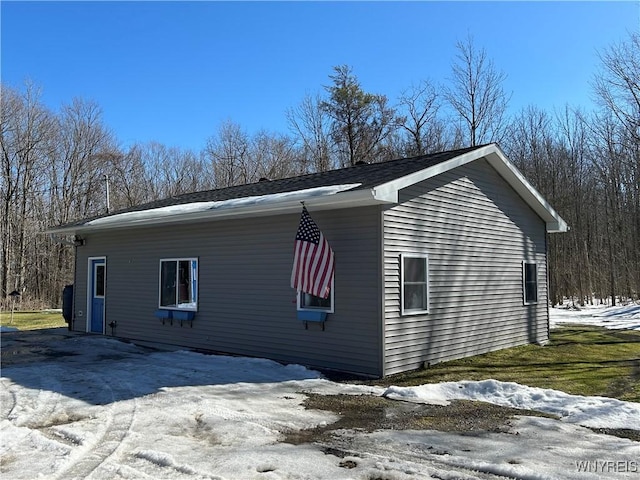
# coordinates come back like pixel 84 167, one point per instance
pixel 493 154
pixel 283 204
pixel 389 191
pixel 533 198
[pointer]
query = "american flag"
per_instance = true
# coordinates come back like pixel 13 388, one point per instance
pixel 313 259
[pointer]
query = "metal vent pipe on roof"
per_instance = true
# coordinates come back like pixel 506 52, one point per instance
pixel 106 191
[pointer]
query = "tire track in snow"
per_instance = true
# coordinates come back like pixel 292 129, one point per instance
pixel 430 465
pixel 7 400
pixel 48 402
pixel 120 422
pixel 120 418
pixel 34 414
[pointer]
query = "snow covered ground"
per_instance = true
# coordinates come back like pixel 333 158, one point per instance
pixel 624 316
pixel 98 408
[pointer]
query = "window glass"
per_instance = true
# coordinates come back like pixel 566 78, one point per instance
pixel 178 283
pixel 99 285
pixel 184 281
pixel 415 269
pixel 307 301
pixel 414 285
pixel 415 297
pixel 530 283
pixel 311 301
pixel 167 283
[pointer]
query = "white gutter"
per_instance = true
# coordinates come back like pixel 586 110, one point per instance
pixel 322 198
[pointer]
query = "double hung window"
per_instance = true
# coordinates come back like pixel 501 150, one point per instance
pixel 414 284
pixel 530 283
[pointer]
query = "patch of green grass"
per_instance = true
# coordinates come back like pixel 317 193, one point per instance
pixel 578 360
pixel 32 320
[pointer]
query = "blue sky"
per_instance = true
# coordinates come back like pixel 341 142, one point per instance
pixel 174 71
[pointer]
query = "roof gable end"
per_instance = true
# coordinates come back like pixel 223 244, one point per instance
pixel 388 191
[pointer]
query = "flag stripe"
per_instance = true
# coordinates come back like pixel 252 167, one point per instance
pixel 325 277
pixel 312 260
pixel 321 265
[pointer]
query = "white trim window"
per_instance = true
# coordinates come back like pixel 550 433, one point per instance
pixel 308 302
pixel 529 283
pixel 414 284
pixel 178 288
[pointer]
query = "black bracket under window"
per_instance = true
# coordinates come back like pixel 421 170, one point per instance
pixel 181 315
pixel 312 316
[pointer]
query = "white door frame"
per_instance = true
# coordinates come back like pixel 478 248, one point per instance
pixel 90 288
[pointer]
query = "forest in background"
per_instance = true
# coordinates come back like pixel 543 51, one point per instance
pixel 586 163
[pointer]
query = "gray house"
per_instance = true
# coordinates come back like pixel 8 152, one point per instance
pixel 437 257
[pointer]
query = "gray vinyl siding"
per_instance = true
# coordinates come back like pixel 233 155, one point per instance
pixel 477 232
pixel 245 303
pixel 79 320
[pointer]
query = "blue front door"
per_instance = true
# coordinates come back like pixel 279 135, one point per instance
pixel 97 289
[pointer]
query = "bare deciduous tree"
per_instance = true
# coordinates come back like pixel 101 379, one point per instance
pixel 615 131
pixel 24 135
pixel 425 131
pixel 275 156
pixel 617 85
pixel 78 162
pixel 229 153
pixel 476 94
pixel 310 123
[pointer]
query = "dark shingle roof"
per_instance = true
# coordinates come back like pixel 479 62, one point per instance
pixel 368 175
pixel 358 185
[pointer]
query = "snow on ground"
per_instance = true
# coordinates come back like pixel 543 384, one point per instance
pixel 618 317
pixel 596 412
pixel 98 408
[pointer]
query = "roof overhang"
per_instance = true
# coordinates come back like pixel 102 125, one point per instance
pixel 321 198
pixel 388 192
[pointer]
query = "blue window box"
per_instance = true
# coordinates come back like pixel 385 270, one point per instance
pixel 184 315
pixel 171 315
pixel 312 316
pixel 164 315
